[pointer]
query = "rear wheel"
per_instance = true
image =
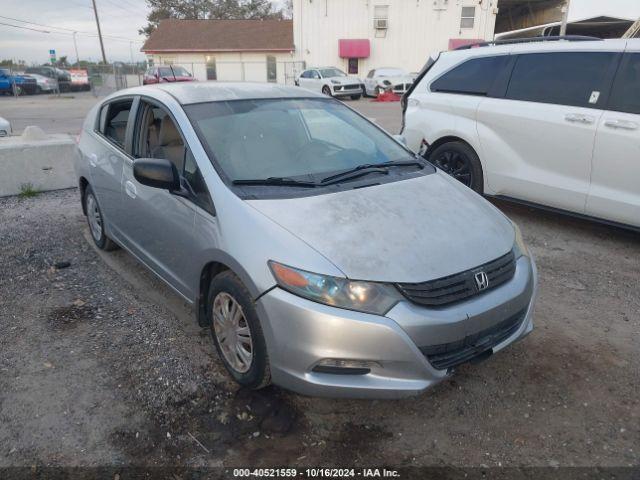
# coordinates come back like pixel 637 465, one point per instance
pixel 236 331
pixel 461 162
pixel 96 222
pixel 327 91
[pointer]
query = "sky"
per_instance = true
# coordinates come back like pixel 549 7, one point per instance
pixel 121 19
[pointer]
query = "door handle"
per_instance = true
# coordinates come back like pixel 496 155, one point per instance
pixel 579 118
pixel 93 160
pixel 623 124
pixel 130 188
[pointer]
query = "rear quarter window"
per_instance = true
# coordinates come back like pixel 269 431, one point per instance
pixel 625 95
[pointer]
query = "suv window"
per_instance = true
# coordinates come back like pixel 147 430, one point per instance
pixel 115 123
pixel 625 96
pixel 562 78
pixel 473 77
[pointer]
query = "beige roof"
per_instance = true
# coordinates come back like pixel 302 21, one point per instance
pixel 173 35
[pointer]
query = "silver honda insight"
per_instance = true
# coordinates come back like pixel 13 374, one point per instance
pixel 322 254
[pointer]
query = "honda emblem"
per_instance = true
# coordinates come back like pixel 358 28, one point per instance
pixel 482 281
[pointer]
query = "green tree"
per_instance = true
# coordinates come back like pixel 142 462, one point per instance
pixel 208 9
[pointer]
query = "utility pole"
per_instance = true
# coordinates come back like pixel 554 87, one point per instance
pixel 75 44
pixel 95 11
pixel 565 18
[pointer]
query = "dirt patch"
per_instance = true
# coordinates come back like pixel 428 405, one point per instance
pixel 69 316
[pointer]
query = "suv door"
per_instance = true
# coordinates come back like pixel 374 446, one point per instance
pixel 159 225
pixel 110 150
pixel 615 180
pixel 537 143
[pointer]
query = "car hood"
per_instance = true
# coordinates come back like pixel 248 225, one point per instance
pixel 396 80
pixel 407 231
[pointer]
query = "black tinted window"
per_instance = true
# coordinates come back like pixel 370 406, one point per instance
pixel 115 125
pixel 566 78
pixel 199 189
pixel 473 77
pixel 625 96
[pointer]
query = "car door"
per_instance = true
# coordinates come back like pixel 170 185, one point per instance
pixel 538 141
pixel 615 180
pixel 370 83
pixel 106 159
pixel 159 225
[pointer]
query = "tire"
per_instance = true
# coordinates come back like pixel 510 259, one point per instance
pixel 377 92
pixel 460 161
pixel 96 222
pixel 355 97
pixel 327 91
pixel 254 373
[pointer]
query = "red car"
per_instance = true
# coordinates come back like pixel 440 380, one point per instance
pixel 166 73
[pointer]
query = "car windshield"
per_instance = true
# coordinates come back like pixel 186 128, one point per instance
pixel 173 70
pixel 332 72
pixel 390 72
pixel 286 138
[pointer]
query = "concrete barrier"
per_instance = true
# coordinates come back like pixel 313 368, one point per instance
pixel 40 162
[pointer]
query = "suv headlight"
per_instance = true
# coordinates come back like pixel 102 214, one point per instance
pixel 368 297
pixel 335 82
pixel 519 247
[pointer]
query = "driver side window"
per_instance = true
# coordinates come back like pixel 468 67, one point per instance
pixel 159 137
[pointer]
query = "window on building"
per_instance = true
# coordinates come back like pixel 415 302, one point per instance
pixel 563 78
pixel 625 96
pixel 212 73
pixel 353 66
pixel 468 17
pixel 272 69
pixel 473 77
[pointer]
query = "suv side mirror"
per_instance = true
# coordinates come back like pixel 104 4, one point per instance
pixel 157 173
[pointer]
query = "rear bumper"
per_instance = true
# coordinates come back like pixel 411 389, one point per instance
pixel 301 333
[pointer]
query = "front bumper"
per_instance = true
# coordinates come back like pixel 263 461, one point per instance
pixel 300 333
pixel 346 90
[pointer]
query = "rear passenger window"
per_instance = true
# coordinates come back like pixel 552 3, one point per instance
pixel 473 77
pixel 114 126
pixel 566 78
pixel 625 96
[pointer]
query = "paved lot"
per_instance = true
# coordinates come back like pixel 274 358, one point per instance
pixel 100 364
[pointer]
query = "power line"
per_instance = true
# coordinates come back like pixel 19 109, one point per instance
pixel 92 35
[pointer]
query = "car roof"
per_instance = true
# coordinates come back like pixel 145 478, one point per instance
pixel 614 44
pixel 200 92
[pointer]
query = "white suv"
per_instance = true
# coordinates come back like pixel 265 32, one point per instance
pixel 552 123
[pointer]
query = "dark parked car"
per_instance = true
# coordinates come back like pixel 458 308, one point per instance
pixel 21 83
pixel 62 76
pixel 166 73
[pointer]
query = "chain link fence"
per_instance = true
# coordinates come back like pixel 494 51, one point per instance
pixel 102 80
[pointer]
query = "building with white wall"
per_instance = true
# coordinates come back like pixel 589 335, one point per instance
pixel 359 35
pixel 233 50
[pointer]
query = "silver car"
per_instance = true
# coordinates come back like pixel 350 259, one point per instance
pixel 323 255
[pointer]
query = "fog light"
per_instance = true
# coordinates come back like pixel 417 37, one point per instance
pixel 338 366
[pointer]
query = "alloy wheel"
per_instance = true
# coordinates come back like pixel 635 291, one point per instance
pixel 455 164
pixel 232 332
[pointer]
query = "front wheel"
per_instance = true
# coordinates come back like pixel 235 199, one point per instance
pixel 355 97
pixel 236 331
pixel 461 162
pixel 327 91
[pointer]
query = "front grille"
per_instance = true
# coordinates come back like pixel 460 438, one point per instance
pixel 457 287
pixel 401 87
pixel 449 355
pixel 351 87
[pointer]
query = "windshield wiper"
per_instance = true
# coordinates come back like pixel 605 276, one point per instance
pixel 277 181
pixel 370 168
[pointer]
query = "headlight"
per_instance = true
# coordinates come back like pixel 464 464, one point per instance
pixel 335 82
pixel 520 247
pixel 369 297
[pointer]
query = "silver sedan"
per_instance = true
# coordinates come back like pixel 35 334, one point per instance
pixel 322 255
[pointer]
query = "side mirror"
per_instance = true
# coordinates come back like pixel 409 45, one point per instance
pixel 400 139
pixel 157 173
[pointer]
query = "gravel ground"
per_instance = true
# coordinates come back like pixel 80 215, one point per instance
pixel 100 364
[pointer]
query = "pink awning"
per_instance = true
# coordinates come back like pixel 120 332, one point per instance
pixel 460 42
pixel 354 48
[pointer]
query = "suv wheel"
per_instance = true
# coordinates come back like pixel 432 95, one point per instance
pixel 96 223
pixel 461 162
pixel 236 331
pixel 326 90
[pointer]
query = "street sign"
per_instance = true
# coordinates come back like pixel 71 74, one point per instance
pixel 52 56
